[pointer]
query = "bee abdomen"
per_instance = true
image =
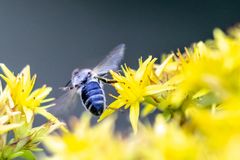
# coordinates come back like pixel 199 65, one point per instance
pixel 87 95
pixel 93 98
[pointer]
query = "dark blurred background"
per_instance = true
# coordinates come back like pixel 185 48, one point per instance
pixel 56 36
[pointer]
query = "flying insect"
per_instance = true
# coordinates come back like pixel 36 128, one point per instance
pixel 88 83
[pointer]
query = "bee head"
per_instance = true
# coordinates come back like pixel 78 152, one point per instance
pixel 80 76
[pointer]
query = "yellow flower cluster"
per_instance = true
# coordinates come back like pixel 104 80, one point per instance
pixel 197 94
pixel 134 88
pixel 162 141
pixel 18 105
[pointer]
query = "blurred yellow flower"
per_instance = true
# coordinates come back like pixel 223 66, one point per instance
pixel 209 93
pixel 86 142
pixel 209 65
pixel 162 141
pixel 165 141
pixel 218 131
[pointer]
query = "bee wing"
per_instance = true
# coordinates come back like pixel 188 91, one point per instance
pixel 65 104
pixel 112 61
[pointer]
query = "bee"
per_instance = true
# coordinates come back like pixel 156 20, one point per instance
pixel 88 83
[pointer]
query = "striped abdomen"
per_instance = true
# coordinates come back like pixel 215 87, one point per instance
pixel 93 97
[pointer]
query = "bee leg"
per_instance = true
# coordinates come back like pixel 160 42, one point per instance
pixel 105 80
pixel 66 88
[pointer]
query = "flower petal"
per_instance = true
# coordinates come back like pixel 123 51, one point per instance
pixel 142 68
pixel 158 88
pixel 160 68
pixel 6 128
pixel 134 115
pixel 28 113
pixel 4 119
pixel 7 72
pixel 200 93
pixel 111 109
pixel 149 108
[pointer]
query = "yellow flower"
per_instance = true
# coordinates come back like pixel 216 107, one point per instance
pixel 133 88
pixel 24 100
pixel 86 142
pixel 18 106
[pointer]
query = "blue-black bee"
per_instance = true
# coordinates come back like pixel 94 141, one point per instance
pixel 88 83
